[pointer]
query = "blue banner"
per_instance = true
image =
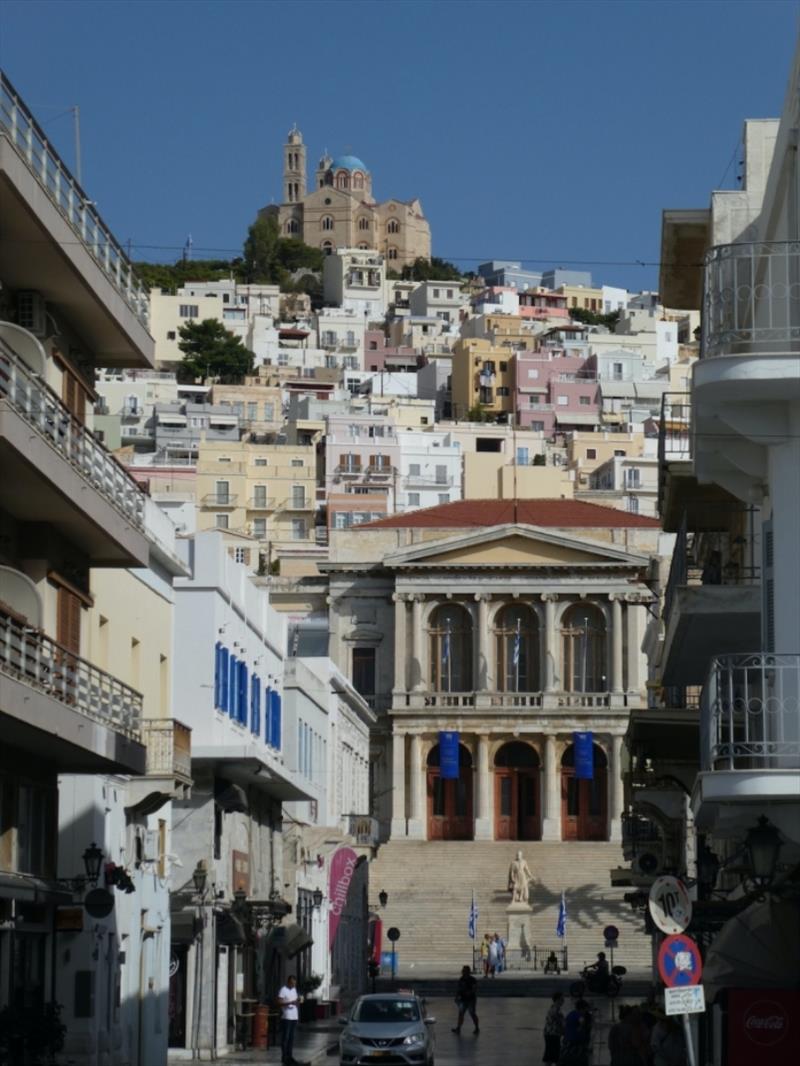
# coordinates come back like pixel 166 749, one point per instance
pixel 448 755
pixel 584 755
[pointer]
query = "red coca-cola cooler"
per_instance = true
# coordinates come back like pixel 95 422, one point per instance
pixel 763 1026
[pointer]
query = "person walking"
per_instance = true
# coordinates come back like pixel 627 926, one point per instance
pixel 501 952
pixel 466 1000
pixel 288 1000
pixel 553 1030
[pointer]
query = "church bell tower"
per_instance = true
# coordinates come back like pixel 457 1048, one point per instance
pixel 294 167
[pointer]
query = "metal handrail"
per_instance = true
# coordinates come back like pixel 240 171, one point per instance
pixel 751 299
pixel 36 659
pixel 41 408
pixel 72 202
pixel 750 713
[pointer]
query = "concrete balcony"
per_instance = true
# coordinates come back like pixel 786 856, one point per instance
pixel 216 500
pixel 55 243
pixel 749 737
pixel 168 771
pixel 64 709
pixel 70 480
pixel 364 829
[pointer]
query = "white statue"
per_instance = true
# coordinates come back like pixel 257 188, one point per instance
pixel 519 879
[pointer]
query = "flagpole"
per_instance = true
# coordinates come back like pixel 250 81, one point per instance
pixel 517 652
pixel 449 660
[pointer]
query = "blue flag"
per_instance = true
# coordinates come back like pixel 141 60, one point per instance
pixel 561 926
pixel 472 927
pixel 517 641
pixel 446 646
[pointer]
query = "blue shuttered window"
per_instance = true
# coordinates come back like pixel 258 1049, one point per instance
pixel 242 701
pixel 218 674
pixel 255 705
pixel 268 715
pixel 275 719
pixel 233 687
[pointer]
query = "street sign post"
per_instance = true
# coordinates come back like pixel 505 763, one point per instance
pixel 691 1000
pixel 681 967
pixel 394 935
pixel 670 905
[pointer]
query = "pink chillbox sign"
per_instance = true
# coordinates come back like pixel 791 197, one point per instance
pixel 342 867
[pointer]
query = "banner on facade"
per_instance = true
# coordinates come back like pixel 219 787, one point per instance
pixel 448 755
pixel 343 864
pixel 584 755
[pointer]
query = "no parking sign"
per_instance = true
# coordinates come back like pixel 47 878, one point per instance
pixel 679 962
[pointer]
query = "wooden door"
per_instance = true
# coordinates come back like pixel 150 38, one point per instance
pixel 515 804
pixel 68 635
pixel 583 805
pixel 450 806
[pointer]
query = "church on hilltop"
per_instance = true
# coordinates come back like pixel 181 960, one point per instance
pixel 341 212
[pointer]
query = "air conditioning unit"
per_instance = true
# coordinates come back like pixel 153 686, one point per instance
pixel 649 862
pixel 32 313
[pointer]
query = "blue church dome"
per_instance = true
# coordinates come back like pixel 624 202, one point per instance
pixel 348 162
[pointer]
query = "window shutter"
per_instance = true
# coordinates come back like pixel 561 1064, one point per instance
pixel 68 624
pixel 242 716
pixel 223 680
pixel 268 716
pixel 275 711
pixel 217 675
pixel 233 687
pixel 255 705
pixel 768 586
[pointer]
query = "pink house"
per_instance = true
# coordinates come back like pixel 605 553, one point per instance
pixel 379 355
pixel 543 303
pixel 554 392
pixel 362 459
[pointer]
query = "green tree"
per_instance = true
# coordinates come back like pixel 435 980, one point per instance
pixel 433 269
pixel 594 318
pixel 261 261
pixel 211 351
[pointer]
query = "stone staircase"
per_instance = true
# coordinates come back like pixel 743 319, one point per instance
pixel 429 885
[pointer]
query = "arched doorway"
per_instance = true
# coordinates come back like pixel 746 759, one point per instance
pixel 516 793
pixel 450 799
pixel 584 813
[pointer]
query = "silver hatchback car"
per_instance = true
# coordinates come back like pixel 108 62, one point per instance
pixel 387 1028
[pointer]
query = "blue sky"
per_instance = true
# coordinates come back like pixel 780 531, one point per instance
pixel 554 132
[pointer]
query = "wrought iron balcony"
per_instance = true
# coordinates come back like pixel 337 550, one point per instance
pixel 32 398
pixel 33 658
pixel 363 828
pixel 18 124
pixel 169 748
pixel 751 299
pixel 220 499
pixel 750 714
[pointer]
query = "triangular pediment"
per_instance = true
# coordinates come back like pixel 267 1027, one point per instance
pixel 513 545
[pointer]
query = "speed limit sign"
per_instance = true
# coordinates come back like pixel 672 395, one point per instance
pixel 670 905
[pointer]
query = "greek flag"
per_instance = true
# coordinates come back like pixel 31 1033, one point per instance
pixel 446 646
pixel 472 927
pixel 561 926
pixel 517 642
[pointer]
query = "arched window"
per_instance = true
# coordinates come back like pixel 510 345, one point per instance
pixel 451 649
pixel 358 180
pixel 326 222
pixel 391 253
pixel 394 226
pixel 583 632
pixel 517 641
pixel 327 247
pixel 292 226
pixel 363 222
pixel 342 180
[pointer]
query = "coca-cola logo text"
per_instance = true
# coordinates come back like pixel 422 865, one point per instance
pixel 766 1022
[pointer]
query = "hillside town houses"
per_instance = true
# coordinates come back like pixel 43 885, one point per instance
pixel 380 597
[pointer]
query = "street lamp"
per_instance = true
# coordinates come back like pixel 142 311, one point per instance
pixel 762 846
pixel 318 898
pixel 200 878
pixel 383 897
pixel 92 861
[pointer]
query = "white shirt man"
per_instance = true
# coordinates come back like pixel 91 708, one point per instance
pixel 288 1000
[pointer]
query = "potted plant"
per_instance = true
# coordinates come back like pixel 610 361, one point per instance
pixel 308 986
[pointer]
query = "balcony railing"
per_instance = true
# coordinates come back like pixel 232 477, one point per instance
pixel 751 299
pixel 36 660
pixel 42 409
pixel 750 715
pixel 363 828
pixel 261 503
pixel 674 434
pixel 217 499
pixel 486 702
pixel 169 748
pixel 49 169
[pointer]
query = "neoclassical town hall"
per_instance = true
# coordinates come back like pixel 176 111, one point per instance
pixel 514 624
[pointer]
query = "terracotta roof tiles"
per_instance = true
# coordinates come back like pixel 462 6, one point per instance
pixel 561 514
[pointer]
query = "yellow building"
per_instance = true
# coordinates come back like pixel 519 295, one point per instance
pixel 482 376
pixel 258 406
pixel 587 451
pixel 582 297
pixel 268 491
pixel 490 475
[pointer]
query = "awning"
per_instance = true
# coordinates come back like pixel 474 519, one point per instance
pixel 289 940
pixel 759 948
pixel 184 926
pixel 30 889
pixel 171 420
pixel 569 419
pixel 223 420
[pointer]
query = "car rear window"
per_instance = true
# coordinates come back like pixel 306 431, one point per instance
pixel 387 1011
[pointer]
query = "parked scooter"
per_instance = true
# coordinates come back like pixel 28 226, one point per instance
pixel 600 984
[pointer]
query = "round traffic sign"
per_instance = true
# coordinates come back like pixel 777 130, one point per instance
pixel 679 962
pixel 611 933
pixel 670 905
pixel 393 934
pixel 99 903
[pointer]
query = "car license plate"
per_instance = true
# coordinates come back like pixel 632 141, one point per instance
pixel 380 1054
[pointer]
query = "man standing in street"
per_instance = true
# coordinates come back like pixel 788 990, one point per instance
pixel 466 998
pixel 288 1000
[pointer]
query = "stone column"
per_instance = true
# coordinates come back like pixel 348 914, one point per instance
pixel 551 821
pixel 419 646
pixel 416 819
pixel 552 658
pixel 616 795
pixel 634 611
pixel 616 643
pixel 400 642
pixel 482 671
pixel 484 793
pixel 399 827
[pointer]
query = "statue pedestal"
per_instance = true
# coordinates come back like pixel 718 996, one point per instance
pixel 519 928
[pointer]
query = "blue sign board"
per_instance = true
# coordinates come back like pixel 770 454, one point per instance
pixel 448 755
pixel 584 755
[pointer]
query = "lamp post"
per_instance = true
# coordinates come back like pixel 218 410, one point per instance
pixel 762 847
pixel 317 898
pixel 92 861
pixel 383 897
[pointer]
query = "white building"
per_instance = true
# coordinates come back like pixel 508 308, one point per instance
pixel 628 481
pixel 614 299
pixel 355 280
pixel 430 469
pixel 438 299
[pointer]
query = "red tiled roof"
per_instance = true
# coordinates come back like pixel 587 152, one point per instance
pixel 560 514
